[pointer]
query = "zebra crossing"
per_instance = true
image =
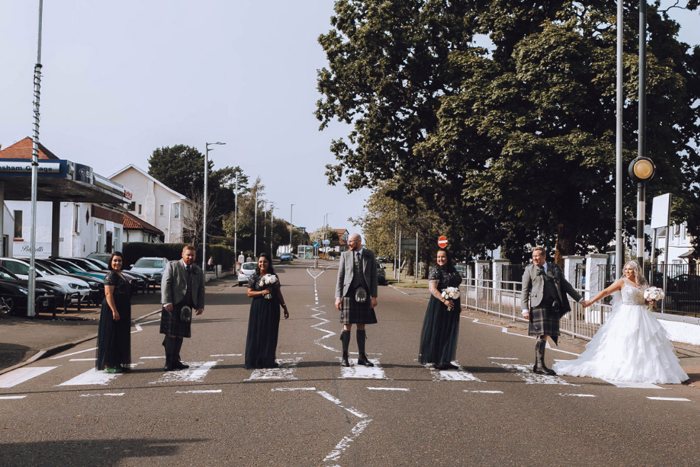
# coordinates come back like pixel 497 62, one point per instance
pixel 288 370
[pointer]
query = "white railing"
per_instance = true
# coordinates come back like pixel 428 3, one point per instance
pixel 480 294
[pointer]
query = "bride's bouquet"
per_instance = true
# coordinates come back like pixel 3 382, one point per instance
pixel 268 279
pixel 451 293
pixel 651 295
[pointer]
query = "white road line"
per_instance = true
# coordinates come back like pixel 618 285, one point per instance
pixel 106 394
pixel 293 389
pixel 388 389
pixel 526 374
pixel 452 375
pixel 82 359
pixel 11 397
pixel 293 353
pixel 138 329
pixel 626 385
pixel 503 358
pixel 20 375
pixel 203 391
pixel 225 355
pixel 286 370
pixel 91 377
pixel 356 371
pixel 674 399
pixel 149 358
pixel 344 443
pixel 485 392
pixel 337 402
pixel 194 374
pixel 73 353
pixel 152 321
pixel 575 395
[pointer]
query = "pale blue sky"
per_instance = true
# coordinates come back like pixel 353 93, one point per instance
pixel 123 78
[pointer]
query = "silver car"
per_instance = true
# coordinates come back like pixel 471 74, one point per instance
pixel 151 267
pixel 245 271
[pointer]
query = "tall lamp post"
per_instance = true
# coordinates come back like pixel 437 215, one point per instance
pixel 235 222
pixel 206 187
pixel 291 226
pixel 255 221
pixel 272 230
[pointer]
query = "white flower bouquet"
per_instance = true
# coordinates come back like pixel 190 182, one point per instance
pixel 653 294
pixel 268 279
pixel 450 293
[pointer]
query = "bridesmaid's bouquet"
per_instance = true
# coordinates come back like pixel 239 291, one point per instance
pixel 451 293
pixel 268 279
pixel 651 295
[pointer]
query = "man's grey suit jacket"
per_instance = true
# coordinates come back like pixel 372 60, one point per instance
pixel 174 284
pixel 533 287
pixel 345 272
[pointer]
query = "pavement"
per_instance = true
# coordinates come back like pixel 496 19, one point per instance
pixel 23 340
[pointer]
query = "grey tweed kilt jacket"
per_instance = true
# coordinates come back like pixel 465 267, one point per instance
pixel 533 287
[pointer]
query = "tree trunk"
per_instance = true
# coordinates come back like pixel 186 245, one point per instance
pixel 566 243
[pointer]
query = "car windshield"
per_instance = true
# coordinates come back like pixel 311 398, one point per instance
pixel 99 264
pixel 87 265
pixel 7 275
pixel 70 266
pixel 54 268
pixel 149 263
pixel 248 266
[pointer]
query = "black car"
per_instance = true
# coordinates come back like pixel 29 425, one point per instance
pixel 97 285
pixel 381 274
pixel 136 281
pixel 59 294
pixel 13 298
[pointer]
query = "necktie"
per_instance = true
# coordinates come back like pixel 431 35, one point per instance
pixel 359 257
pixel 188 269
pixel 542 271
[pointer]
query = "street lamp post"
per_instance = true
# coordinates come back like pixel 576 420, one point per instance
pixel 255 221
pixel 272 225
pixel 206 186
pixel 291 226
pixel 235 222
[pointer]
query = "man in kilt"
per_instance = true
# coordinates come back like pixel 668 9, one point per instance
pixel 544 302
pixel 182 285
pixel 356 295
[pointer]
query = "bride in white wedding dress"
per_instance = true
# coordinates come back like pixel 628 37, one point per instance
pixel 631 346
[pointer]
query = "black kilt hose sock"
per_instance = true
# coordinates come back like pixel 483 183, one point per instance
pixel 361 338
pixel 170 344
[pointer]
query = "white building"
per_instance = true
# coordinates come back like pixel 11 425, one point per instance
pixel 153 202
pixel 680 245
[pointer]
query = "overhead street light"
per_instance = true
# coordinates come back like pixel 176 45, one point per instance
pixel 641 170
pixel 206 186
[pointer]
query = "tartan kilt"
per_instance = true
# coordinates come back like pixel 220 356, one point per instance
pixel 544 320
pixel 352 312
pixel 171 325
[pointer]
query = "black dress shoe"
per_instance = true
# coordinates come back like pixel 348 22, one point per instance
pixel 169 367
pixel 362 360
pixel 543 370
pixel 344 362
pixel 180 366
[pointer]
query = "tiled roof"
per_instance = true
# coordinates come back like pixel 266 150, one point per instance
pixel 23 150
pixel 132 222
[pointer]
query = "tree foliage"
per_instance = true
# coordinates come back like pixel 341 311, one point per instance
pixel 514 145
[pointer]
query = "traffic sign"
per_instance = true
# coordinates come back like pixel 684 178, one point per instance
pixel 408 244
pixel 442 242
pixel 315 244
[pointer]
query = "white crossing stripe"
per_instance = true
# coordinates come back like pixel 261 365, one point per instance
pixel 525 372
pixel 20 375
pixel 74 353
pixel 388 389
pixel 82 359
pixel 626 385
pixel 485 392
pixel 674 399
pixel 452 375
pixel 91 377
pixel 12 397
pixel 204 391
pixel 227 355
pixel 576 395
pixel 355 371
pixel 293 389
pixel 106 394
pixel 194 374
pixel 286 370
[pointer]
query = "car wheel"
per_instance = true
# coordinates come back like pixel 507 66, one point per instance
pixel 7 305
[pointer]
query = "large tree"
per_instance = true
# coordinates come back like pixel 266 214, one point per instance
pixel 514 145
pixel 181 168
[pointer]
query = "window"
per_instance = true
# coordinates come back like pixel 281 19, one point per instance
pixel 100 233
pixel 76 218
pixel 177 211
pixel 131 206
pixel 162 209
pixel 18 224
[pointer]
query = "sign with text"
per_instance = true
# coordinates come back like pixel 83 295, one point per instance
pixel 23 250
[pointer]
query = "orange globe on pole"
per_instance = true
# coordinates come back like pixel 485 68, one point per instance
pixel 442 242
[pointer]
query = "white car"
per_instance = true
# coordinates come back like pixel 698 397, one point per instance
pixel 151 267
pixel 73 285
pixel 245 271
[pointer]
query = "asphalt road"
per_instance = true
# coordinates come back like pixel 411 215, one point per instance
pixel 57 411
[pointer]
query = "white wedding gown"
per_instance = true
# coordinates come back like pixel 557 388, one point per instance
pixel 631 346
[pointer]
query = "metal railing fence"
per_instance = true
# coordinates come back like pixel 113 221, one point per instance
pixel 506 303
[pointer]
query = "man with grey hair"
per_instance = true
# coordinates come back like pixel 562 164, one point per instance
pixel 356 295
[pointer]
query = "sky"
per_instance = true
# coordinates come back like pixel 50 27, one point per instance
pixel 122 78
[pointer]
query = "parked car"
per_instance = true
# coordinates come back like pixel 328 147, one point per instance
pixel 284 257
pixel 14 299
pixel 151 267
pixel 77 266
pixel 461 269
pixel 104 257
pixel 381 274
pixel 382 260
pixel 246 270
pixel 96 283
pixel 683 292
pixel 77 288
pixel 136 280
